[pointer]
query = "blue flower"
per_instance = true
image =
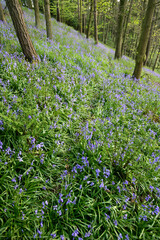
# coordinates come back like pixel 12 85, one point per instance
pixel 75 233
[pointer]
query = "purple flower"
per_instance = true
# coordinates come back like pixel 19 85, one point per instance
pixel 13 180
pixel 120 236
pixel 53 235
pixel 126 237
pixel 115 222
pixel 97 172
pixel 87 234
pixel 102 184
pixel 75 233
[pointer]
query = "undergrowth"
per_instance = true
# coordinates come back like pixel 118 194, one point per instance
pixel 79 141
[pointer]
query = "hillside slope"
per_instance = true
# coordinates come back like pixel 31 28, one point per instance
pixel 79 141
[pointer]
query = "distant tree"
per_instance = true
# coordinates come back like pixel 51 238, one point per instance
pixel 2 17
pixel 119 38
pixel 89 19
pixel 156 60
pixel 95 22
pixel 80 16
pixel 141 50
pixel 126 25
pixel 58 12
pixel 37 16
pixel 16 13
pixel 48 19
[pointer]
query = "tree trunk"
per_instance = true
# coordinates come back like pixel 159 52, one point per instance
pixel 95 22
pixel 80 17
pixel 48 19
pixel 2 17
pixel 126 25
pixel 78 14
pixel 37 16
pixel 148 45
pixel 119 39
pixel 156 60
pixel 16 13
pixel 89 20
pixel 58 12
pixel 144 39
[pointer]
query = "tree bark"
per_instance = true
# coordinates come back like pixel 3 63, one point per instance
pixel 16 13
pixel 58 12
pixel 141 50
pixel 95 22
pixel 126 25
pixel 2 17
pixel 156 60
pixel 48 19
pixel 148 45
pixel 80 17
pixel 37 16
pixel 119 39
pixel 89 20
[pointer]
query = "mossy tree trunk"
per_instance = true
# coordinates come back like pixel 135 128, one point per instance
pixel 95 22
pixel 141 50
pixel 2 17
pixel 37 16
pixel 16 13
pixel 48 19
pixel 119 38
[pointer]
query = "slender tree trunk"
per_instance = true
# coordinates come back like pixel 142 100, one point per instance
pixel 78 14
pixel 95 22
pixel 61 11
pixel 156 60
pixel 119 39
pixel 149 63
pixel 104 28
pixel 89 20
pixel 144 39
pixel 148 45
pixel 126 25
pixel 48 19
pixel 2 17
pixel 58 12
pixel 16 13
pixel 80 17
pixel 106 34
pixel 37 16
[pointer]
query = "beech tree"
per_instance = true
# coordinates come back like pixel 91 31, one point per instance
pixel 119 38
pixel 48 19
pixel 16 14
pixel 141 50
pixel 37 16
pixel 2 17
pixel 95 22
